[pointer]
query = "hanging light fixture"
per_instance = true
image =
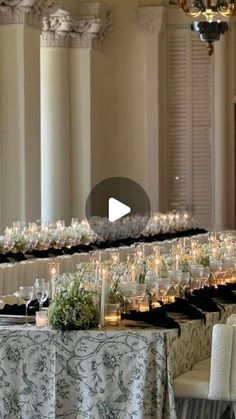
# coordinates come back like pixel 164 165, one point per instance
pixel 209 30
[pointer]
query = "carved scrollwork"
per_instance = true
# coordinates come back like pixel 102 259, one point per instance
pixel 46 7
pixel 152 19
pixel 26 11
pixel 10 3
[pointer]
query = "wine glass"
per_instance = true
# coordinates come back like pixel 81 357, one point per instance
pixel 206 276
pixel 163 288
pixel 184 283
pixel 41 291
pixel 175 278
pixel 128 291
pixel 26 293
pixel 140 292
pixel 216 267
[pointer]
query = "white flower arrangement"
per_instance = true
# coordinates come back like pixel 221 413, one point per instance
pixel 73 307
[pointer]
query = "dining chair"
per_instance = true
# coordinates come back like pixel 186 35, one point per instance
pixel 216 382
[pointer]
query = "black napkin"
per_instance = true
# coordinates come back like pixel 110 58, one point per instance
pixel 156 317
pixel 231 286
pixel 15 309
pixel 202 299
pixel 184 307
pixel 224 294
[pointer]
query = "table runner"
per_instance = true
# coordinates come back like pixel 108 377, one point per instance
pixel 102 374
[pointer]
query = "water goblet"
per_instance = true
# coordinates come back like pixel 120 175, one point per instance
pixel 184 283
pixel 140 292
pixel 128 291
pixel 216 267
pixel 175 278
pixel 163 288
pixel 152 284
pixel 206 276
pixel 26 293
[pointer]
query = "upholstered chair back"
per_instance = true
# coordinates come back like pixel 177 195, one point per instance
pixel 223 363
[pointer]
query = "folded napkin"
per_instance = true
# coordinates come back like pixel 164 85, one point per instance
pixel 203 301
pixel 156 317
pixel 224 294
pixel 10 300
pixel 184 307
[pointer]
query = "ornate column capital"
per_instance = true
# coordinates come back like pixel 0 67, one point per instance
pixel 89 32
pixel 63 29
pixel 28 12
pixel 56 29
pixel 152 19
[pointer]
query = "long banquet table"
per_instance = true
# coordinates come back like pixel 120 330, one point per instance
pixel 98 374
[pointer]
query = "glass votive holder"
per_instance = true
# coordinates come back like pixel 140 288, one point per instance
pixel 112 315
pixel 53 269
pixel 144 304
pixel 41 318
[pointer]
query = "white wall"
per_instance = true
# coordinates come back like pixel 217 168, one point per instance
pixel 118 97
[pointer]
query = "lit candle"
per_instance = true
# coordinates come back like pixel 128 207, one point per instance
pixel 177 260
pixel 53 268
pixel 103 296
pixel 155 304
pixel 133 273
pixel 144 306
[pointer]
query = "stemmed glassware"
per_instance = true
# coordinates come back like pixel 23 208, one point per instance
pixel 152 285
pixel 163 288
pixel 175 278
pixel 196 273
pixel 26 293
pixel 206 276
pixel 41 291
pixel 184 283
pixel 128 290
pixel 216 267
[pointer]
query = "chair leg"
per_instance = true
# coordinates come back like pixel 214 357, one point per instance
pixel 195 409
pixel 202 409
pixel 234 408
pixel 184 409
pixel 218 409
pixel 213 410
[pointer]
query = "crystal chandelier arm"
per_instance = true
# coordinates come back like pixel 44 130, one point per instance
pixel 229 11
pixel 194 12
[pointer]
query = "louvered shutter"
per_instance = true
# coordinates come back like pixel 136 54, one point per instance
pixel 190 122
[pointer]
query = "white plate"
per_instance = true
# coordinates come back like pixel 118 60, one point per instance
pixel 15 319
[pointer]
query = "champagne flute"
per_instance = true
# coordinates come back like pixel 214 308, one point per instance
pixel 41 291
pixel 26 293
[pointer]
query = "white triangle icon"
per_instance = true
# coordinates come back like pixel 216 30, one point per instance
pixel 117 210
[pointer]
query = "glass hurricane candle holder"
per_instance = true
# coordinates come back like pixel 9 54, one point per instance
pixel 53 270
pixel 112 315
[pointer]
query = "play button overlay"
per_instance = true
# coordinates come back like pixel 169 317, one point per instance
pixel 117 207
pixel 117 210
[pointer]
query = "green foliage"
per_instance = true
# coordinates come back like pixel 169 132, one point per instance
pixel 72 307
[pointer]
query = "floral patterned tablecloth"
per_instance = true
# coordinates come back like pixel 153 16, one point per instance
pixel 107 374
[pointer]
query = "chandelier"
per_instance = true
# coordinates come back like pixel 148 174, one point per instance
pixel 209 30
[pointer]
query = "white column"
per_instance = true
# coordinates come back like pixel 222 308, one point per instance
pixel 80 73
pixel 87 33
pixel 220 134
pixel 152 22
pixel 55 127
pixel 19 114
